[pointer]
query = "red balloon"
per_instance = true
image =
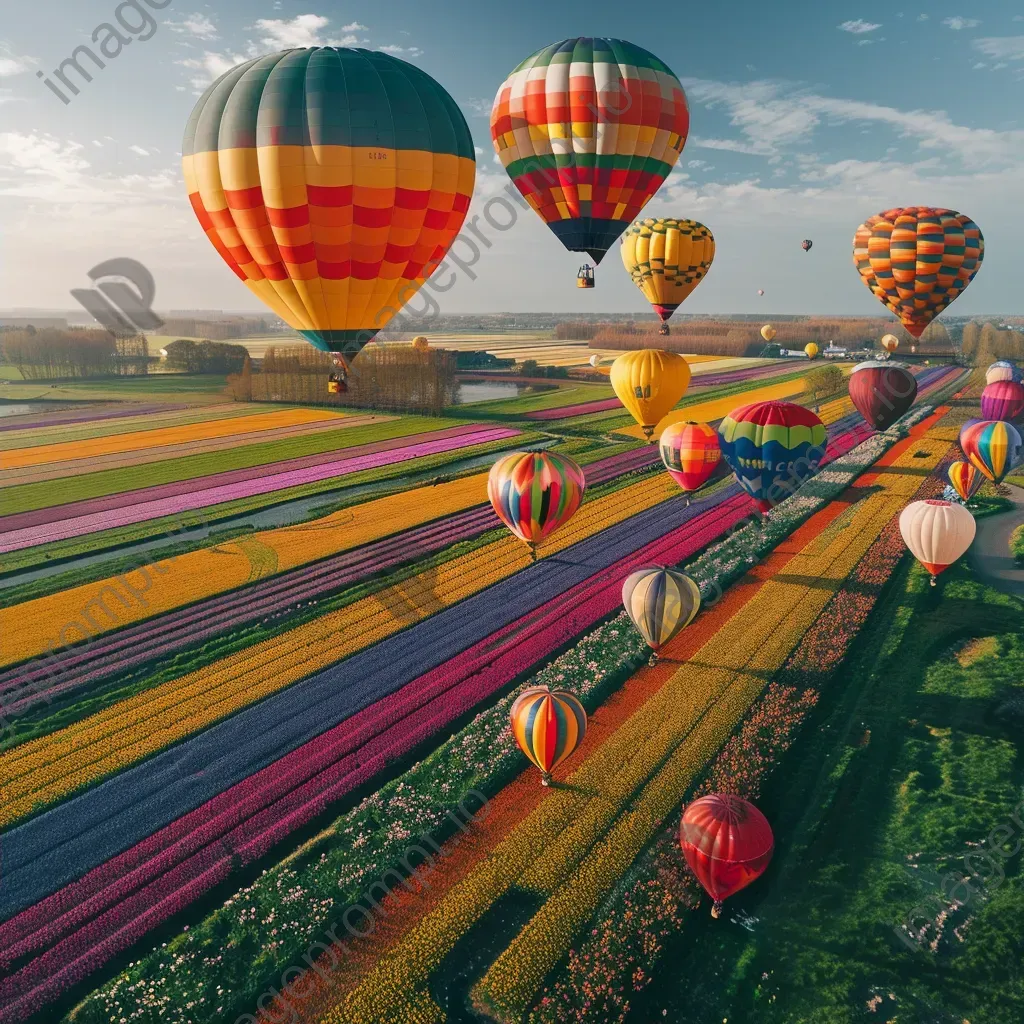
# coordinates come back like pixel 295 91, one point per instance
pixel 882 391
pixel 727 842
pixel 1002 400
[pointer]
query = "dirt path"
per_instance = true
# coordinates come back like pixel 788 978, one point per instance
pixel 990 552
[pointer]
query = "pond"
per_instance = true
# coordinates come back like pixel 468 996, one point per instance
pixel 487 391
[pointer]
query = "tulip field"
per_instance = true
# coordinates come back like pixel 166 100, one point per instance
pixel 256 676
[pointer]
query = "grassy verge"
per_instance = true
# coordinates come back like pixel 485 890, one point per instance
pixel 915 761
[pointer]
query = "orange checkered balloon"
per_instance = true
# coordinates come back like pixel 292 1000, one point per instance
pixel 917 259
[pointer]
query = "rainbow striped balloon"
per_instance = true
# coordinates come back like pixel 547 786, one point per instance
pixel 548 725
pixel 660 603
pixel 690 452
pixel 773 448
pixel 966 479
pixel 332 182
pixel 534 493
pixel 992 446
pixel 588 129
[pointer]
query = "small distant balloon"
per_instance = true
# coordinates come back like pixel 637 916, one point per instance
pixel 690 452
pixel 767 332
pixel 760 291
pixel 595 360
pixel 806 245
pixel 966 479
pixel 811 350
pixel 890 343
pixel 1002 369
pixel 548 725
pixel 420 344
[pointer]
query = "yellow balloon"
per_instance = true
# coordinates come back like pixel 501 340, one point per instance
pixel 667 259
pixel 420 344
pixel 767 332
pixel 811 350
pixel 648 383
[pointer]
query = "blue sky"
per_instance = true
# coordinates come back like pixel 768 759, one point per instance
pixel 805 118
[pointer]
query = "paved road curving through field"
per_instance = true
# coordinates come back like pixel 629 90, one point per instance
pixel 990 552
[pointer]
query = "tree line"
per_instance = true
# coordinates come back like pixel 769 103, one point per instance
pixel 50 353
pixel 205 356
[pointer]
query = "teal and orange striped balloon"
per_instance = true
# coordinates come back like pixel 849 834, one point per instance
pixel 660 603
pixel 332 182
pixel 534 493
pixel 917 259
pixel 588 129
pixel 548 725
pixel 991 446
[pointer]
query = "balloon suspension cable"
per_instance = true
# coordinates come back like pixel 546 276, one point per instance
pixel 545 778
pixel 716 909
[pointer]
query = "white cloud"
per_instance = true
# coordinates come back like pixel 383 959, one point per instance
pixel 397 51
pixel 354 27
pixel 979 65
pixel 212 65
pixel 479 107
pixel 859 26
pixel 771 115
pixel 957 23
pixel 198 25
pixel 1001 47
pixel 302 30
pixel 11 65
pixel 922 17
pixel 139 150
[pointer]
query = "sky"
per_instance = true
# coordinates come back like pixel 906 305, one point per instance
pixel 806 118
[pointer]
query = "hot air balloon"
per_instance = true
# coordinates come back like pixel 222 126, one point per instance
pixel 993 446
pixel 773 448
pixel 332 182
pixel 811 350
pixel 882 391
pixel 917 260
pixel 1002 370
pixel 760 291
pixel 649 382
pixel 660 603
pixel 890 343
pixel 1002 400
pixel 420 344
pixel 548 725
pixel 767 332
pixel 937 532
pixel 534 493
pixel 595 360
pixel 588 129
pixel 667 259
pixel 966 480
pixel 727 842
pixel 806 245
pixel 690 452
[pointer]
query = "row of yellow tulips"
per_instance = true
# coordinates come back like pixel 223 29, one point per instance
pixel 580 839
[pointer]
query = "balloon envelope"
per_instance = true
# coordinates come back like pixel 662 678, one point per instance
pixel 760 291
pixel 666 259
pixel 1002 370
pixel 534 493
pixel 660 603
pixel 890 342
pixel 936 532
pixel 649 382
pixel 420 344
pixel 595 360
pixel 588 129
pixel 1002 400
pixel 767 332
pixel 917 259
pixel 882 391
pixel 690 452
pixel 773 448
pixel 548 725
pixel 332 182
pixel 811 350
pixel 806 245
pixel 727 842
pixel 966 479
pixel 993 446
